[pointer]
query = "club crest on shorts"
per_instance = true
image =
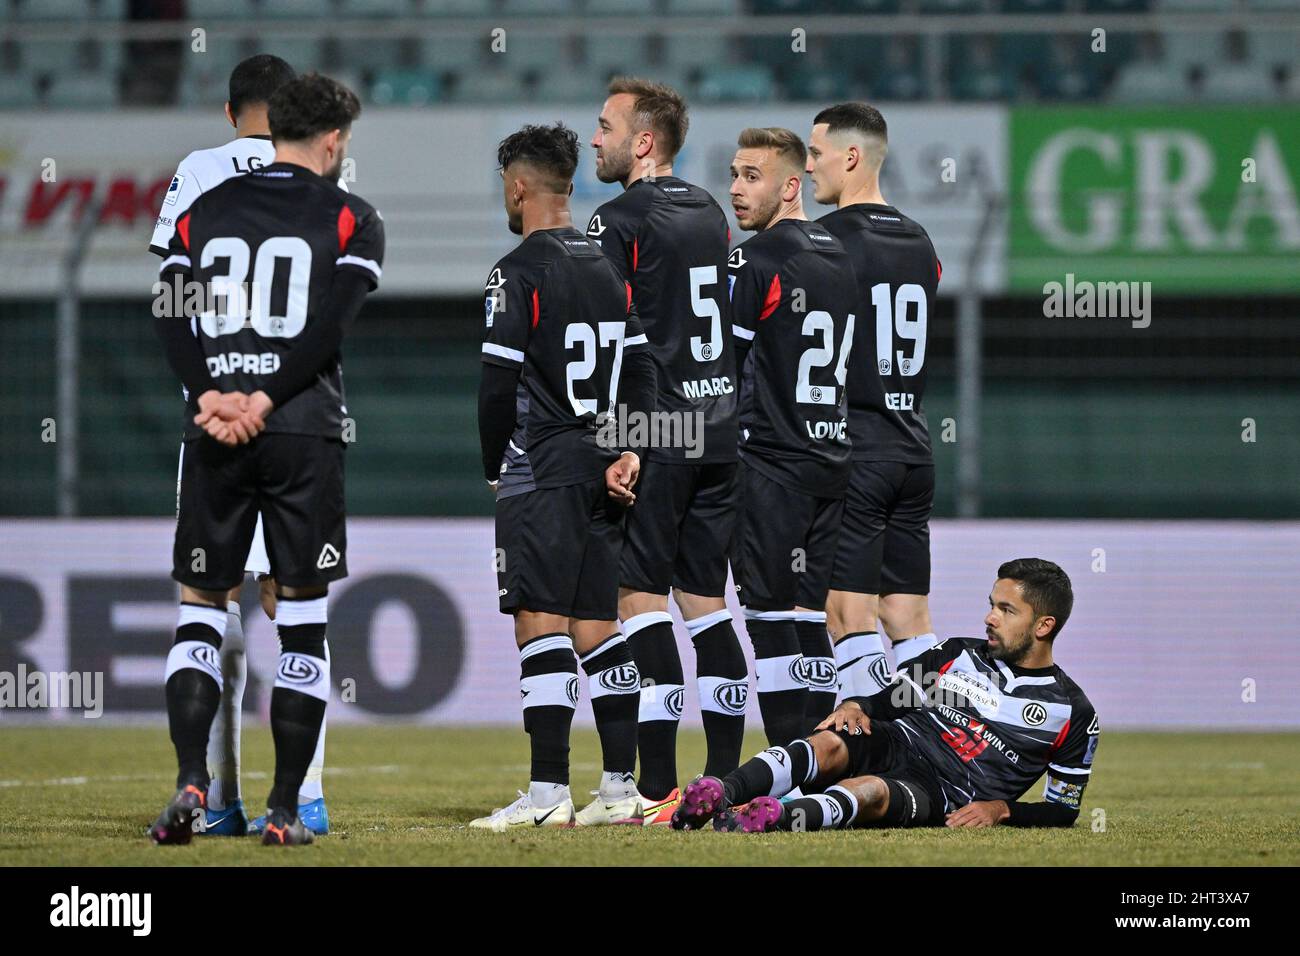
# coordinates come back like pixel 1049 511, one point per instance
pixel 329 557
pixel 298 669
pixel 206 656
pixel 732 696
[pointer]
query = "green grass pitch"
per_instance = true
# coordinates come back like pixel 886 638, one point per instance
pixel 82 795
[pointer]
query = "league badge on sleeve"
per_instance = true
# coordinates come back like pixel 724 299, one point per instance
pixel 174 190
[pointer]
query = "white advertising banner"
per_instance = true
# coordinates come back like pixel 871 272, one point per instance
pixel 1176 624
pixel 432 174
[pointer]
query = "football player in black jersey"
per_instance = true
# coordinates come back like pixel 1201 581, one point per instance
pixel 882 568
pixel 286 259
pixel 955 740
pixel 563 356
pixel 792 310
pixel 669 239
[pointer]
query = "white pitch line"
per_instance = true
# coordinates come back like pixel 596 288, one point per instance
pixel 138 778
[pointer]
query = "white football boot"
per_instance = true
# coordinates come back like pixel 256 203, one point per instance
pixel 611 810
pixel 522 814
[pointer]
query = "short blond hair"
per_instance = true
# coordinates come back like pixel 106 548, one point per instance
pixel 788 145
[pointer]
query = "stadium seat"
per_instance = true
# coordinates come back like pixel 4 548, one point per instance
pixel 571 86
pixel 1238 83
pixel 452 53
pixel 487 86
pixel 405 87
pixel 1183 48
pixel 451 8
pixel 954 6
pixel 784 6
pixel 36 10
pixel 868 6
pixel 378 8
pixel 615 52
pixel 538 8
pixel 17 91
pixel 617 8
pixel 735 84
pixel 977 72
pixel 1275 49
pixel 1199 6
pixel 81 92
pixel 1116 6
pixel 696 50
pixel 199 10
pixel 359 53
pixel 815 84
pixel 1033 6
pixel 53 56
pixel 696 8
pixel 292 9
pixel 1150 83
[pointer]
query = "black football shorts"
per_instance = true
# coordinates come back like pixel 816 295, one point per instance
pixel 884 544
pixel 558 551
pixel 679 529
pixel 294 481
pixel 915 794
pixel 783 546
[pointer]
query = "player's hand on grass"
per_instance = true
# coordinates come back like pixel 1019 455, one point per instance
pixel 621 476
pixel 980 813
pixel 847 716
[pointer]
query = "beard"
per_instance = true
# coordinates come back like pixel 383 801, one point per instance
pixel 516 224
pixel 1012 652
pixel 617 164
pixel 761 214
pixel 336 171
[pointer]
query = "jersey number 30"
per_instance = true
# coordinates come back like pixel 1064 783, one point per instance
pixel 255 303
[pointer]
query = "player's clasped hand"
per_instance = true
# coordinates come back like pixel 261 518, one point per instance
pixel 232 418
pixel 621 476
pixel 847 716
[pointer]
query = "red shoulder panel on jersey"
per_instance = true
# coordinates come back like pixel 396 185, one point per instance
pixel 1060 738
pixel 634 252
pixel 773 298
pixel 938 268
pixel 183 227
pixel 537 309
pixel 944 668
pixel 628 286
pixel 347 226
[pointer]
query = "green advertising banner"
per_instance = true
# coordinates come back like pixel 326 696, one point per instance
pixel 1197 199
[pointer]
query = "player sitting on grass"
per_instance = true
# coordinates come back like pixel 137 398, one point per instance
pixel 956 741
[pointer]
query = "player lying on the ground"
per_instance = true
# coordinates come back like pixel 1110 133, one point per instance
pixel 956 742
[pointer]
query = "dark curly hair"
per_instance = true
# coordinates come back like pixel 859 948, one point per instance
pixel 309 105
pixel 552 150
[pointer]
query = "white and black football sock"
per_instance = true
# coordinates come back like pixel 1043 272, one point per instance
pixel 223 741
pixel 722 679
pixel 615 688
pixel 781 688
pixel 548 684
pixel 913 647
pixel 773 773
pixel 650 636
pixel 193 688
pixel 861 665
pixel 818 667
pixel 299 697
pixel 835 809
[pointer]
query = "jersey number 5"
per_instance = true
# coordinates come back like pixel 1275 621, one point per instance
pixel 893 315
pixel 706 307
pixel 254 304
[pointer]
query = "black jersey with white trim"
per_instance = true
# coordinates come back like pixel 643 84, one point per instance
pixel 898 275
pixel 558 310
pixel 990 729
pixel 267 245
pixel 792 298
pixel 670 240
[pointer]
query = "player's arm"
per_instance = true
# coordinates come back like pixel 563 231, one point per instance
pixel 181 192
pixel 635 400
pixel 356 274
pixel 509 308
pixel 755 290
pixel 172 314
pixel 1067 775
pixel 904 694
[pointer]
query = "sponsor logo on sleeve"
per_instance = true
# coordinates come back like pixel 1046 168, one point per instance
pixel 174 190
